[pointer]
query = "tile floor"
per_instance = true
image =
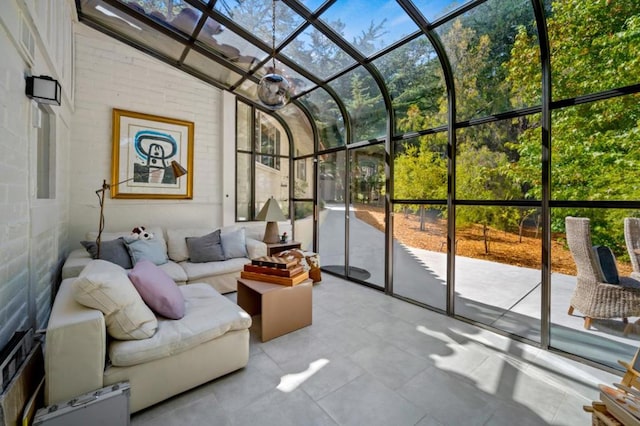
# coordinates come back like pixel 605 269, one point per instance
pixel 370 359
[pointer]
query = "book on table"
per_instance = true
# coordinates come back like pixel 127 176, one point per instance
pixel 274 262
pixel 274 279
pixel 293 271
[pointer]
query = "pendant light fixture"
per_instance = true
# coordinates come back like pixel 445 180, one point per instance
pixel 273 89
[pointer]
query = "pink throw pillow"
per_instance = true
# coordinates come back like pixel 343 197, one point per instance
pixel 157 289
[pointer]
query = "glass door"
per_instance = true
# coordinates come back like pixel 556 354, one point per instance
pixel 366 215
pixel 331 216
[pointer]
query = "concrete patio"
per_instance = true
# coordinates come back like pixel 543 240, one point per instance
pixel 499 295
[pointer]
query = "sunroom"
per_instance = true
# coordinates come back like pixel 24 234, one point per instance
pixel 427 149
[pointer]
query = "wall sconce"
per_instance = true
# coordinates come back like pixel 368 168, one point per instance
pixel 43 89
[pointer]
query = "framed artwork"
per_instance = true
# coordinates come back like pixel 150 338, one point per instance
pixel 143 148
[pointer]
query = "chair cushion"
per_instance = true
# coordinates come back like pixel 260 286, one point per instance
pixel 207 248
pixel 105 286
pixel 607 262
pixel 114 251
pixel 157 289
pixel 208 315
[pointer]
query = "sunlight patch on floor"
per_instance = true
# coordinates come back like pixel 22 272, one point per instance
pixel 290 382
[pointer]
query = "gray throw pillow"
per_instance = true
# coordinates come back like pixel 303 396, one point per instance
pixel 205 249
pixel 233 244
pixel 114 251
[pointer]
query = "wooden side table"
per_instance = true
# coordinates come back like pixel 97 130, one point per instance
pixel 273 248
pixel 283 308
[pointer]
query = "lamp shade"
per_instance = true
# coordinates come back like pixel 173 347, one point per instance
pixel 43 89
pixel 271 212
pixel 178 170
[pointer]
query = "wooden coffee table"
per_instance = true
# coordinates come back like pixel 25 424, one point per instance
pixel 283 308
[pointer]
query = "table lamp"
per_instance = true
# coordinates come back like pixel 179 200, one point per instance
pixel 178 171
pixel 271 213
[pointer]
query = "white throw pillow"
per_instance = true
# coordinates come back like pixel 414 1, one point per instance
pixel 105 286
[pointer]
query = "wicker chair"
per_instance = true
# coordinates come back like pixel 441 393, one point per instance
pixel 632 238
pixel 592 296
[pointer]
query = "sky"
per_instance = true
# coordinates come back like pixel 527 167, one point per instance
pixel 358 15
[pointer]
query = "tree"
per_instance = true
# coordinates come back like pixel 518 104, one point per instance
pixel 595 46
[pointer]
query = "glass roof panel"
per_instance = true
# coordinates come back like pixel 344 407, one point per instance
pixel 231 46
pixel 132 28
pixel 211 68
pixel 300 127
pixel 177 14
pixel 415 81
pixel 319 55
pixel 312 5
pixel 365 33
pixel 364 103
pixel 249 90
pixel 434 9
pixel 487 69
pixel 255 16
pixel 328 118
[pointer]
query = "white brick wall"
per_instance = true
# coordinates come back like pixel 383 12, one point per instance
pixel 33 233
pixel 110 74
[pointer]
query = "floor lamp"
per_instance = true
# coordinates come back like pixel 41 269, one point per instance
pixel 271 213
pixel 178 171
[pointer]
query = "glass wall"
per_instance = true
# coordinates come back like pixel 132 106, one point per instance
pixel 262 163
pixel 420 253
pixel 498 268
pixel 606 340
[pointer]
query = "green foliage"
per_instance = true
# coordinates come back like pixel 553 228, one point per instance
pixel 595 46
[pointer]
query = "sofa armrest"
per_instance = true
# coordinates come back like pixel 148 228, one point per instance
pixel 75 348
pixel 255 248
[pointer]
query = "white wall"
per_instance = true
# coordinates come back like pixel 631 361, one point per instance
pixel 33 233
pixel 111 75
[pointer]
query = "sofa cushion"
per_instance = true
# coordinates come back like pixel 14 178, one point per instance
pixel 153 250
pixel 196 271
pixel 157 289
pixel 208 315
pixel 207 248
pixel 175 271
pixel 105 286
pixel 77 260
pixel 114 251
pixel 234 243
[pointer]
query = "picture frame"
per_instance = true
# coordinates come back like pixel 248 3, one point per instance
pixel 144 146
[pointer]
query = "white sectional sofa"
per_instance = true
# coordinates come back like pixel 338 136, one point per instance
pixel 81 354
pixel 220 275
